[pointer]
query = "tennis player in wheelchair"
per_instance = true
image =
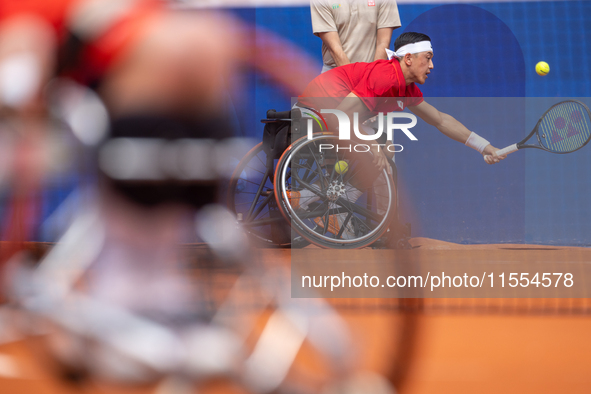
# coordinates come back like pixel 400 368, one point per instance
pixel 366 90
pixel 357 87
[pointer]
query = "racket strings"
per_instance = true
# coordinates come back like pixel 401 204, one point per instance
pixel 565 128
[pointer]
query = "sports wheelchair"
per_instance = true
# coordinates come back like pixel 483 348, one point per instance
pixel 327 195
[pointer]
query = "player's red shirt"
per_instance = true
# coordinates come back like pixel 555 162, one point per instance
pixel 372 82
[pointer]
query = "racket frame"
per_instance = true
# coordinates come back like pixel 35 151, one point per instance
pixel 521 144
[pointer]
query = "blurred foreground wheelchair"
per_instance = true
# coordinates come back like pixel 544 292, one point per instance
pixel 291 190
pixel 118 305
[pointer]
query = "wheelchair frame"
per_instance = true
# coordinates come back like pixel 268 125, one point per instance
pixel 265 207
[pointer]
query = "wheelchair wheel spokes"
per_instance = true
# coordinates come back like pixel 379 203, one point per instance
pixel 251 198
pixel 349 206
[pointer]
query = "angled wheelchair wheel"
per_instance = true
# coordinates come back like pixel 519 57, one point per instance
pixel 332 197
pixel 252 199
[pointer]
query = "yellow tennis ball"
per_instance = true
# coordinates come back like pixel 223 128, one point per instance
pixel 341 167
pixel 542 68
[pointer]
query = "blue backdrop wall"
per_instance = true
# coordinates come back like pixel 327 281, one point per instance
pixel 485 50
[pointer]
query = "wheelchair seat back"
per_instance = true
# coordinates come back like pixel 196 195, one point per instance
pixel 281 129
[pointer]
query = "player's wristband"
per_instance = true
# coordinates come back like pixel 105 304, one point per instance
pixel 476 142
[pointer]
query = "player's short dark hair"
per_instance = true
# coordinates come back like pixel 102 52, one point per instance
pixel 409 38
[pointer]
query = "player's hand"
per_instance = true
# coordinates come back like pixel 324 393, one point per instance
pixel 380 160
pixel 490 155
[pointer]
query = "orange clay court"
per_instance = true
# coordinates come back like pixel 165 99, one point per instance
pixel 422 345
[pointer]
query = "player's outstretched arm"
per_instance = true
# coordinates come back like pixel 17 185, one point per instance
pixel 455 130
pixel 445 123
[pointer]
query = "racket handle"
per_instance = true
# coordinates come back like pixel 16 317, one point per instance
pixel 507 150
pixel 504 151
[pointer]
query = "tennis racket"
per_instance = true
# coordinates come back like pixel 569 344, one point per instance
pixel 564 128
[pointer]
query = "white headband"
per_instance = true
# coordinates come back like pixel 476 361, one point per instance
pixel 417 47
